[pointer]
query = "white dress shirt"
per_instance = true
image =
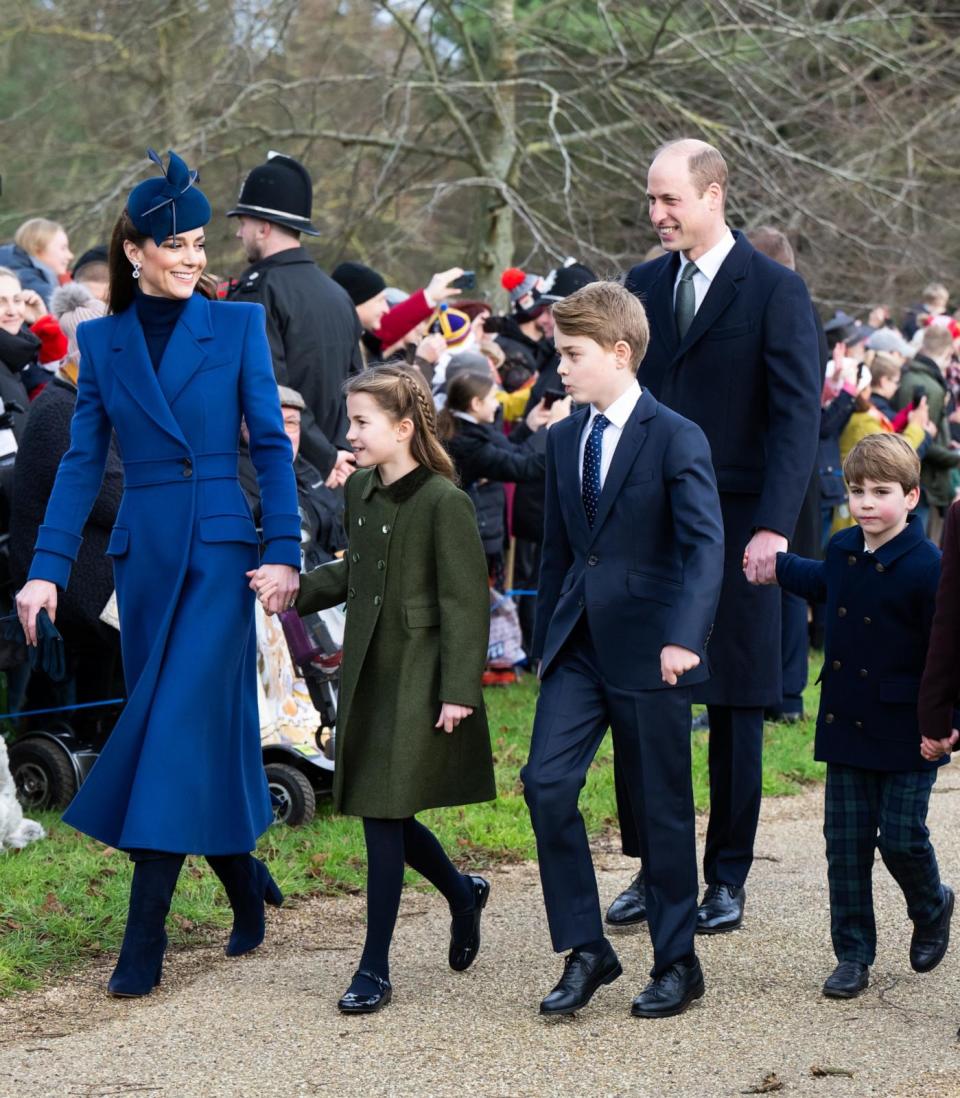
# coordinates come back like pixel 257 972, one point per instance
pixel 618 413
pixel 707 266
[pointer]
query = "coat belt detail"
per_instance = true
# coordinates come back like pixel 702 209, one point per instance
pixel 145 472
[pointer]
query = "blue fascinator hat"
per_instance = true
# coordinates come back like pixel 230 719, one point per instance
pixel 171 204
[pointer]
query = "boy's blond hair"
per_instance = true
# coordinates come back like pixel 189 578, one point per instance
pixel 607 313
pixel 935 293
pixel 34 235
pixel 884 459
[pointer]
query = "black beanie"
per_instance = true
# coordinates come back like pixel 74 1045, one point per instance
pixel 361 282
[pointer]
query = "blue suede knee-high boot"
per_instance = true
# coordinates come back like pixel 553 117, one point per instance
pixel 144 941
pixel 248 884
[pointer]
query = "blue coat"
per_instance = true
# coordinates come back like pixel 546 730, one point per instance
pixel 31 273
pixel 878 618
pixel 181 771
pixel 648 574
pixel 748 373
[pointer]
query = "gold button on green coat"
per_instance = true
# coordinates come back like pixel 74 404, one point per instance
pixel 416 636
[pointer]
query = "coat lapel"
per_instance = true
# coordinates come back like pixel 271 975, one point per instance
pixel 723 289
pixel 633 437
pixel 185 353
pixel 135 372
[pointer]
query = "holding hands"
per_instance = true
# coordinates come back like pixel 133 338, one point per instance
pixel 276 586
pixel 760 556
pixel 932 750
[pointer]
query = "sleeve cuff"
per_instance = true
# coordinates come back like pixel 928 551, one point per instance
pixel 50 567
pixel 283 551
pixel 281 526
pixel 63 543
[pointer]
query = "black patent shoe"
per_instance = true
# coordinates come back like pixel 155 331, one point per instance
pixel 583 972
pixel 630 907
pixel 671 992
pixel 721 909
pixel 929 943
pixel 847 980
pixel 464 950
pixel 352 1003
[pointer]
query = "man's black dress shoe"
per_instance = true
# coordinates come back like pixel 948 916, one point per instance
pixel 671 992
pixel 929 943
pixel 630 907
pixel 353 1003
pixel 583 972
pixel 464 949
pixel 847 980
pixel 721 909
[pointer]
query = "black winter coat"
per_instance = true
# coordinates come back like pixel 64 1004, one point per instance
pixel 46 438
pixel 314 335
pixel 17 353
pixel 485 458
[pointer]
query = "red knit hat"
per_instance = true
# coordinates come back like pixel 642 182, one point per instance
pixel 53 343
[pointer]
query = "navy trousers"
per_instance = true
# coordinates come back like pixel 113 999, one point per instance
pixel 735 759
pixel 865 810
pixel 651 731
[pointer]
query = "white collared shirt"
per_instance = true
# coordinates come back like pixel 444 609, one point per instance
pixel 618 413
pixel 707 266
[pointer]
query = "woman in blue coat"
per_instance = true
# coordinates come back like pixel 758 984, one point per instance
pixel 172 373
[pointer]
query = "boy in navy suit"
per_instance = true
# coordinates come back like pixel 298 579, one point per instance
pixel 629 582
pixel 879 581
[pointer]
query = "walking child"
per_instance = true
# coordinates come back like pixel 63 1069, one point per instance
pixel 411 729
pixel 879 582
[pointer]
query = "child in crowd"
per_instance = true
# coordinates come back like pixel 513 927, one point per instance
pixel 879 582
pixel 415 584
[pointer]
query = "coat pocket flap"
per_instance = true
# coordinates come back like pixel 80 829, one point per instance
pixel 652 587
pixel 904 691
pixel 119 541
pixel 419 617
pixel 228 528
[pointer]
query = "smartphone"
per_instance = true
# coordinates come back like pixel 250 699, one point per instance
pixel 551 396
pixel 919 392
pixel 467 281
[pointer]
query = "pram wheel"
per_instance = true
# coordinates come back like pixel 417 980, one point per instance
pixel 43 774
pixel 294 801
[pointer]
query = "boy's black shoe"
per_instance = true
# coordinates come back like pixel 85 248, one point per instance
pixel 583 972
pixel 721 909
pixel 847 980
pixel 671 992
pixel 929 943
pixel 630 907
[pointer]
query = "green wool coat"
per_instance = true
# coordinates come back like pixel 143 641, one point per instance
pixel 414 578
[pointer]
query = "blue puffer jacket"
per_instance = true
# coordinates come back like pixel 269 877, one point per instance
pixel 33 274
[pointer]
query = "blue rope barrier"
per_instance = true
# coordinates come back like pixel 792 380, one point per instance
pixel 61 709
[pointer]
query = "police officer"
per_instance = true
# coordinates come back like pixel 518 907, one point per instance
pixel 312 325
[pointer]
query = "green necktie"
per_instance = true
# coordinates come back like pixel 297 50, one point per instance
pixel 685 305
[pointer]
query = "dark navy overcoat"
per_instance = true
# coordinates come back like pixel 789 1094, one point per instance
pixel 879 609
pixel 182 770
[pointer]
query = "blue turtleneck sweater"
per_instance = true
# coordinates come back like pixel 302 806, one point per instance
pixel 158 317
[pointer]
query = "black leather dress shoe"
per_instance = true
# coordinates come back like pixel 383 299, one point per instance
pixel 721 910
pixel 630 907
pixel 847 980
pixel 464 949
pixel 583 973
pixel 352 1003
pixel 671 992
pixel 929 943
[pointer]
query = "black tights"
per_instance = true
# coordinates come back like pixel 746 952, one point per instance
pixel 390 843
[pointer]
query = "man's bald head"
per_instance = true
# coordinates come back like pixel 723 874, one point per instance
pixel 704 162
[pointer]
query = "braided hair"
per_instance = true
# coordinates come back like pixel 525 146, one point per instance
pixel 399 391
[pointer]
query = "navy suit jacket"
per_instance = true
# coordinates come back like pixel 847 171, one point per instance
pixel 649 572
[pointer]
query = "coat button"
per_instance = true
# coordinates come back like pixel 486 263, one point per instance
pixel 381 565
pixel 836 665
pixel 592 560
pixel 868 621
pixel 385 528
pixel 851 560
pixel 879 566
pixel 842 612
pixel 829 718
pixel 580 603
pixel 361 521
pixel 352 593
pixel 187 467
pixel 858 724
pixel 863 672
pixel 377 600
pixel 355 557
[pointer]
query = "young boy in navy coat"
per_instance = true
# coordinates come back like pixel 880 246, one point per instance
pixel 879 581
pixel 629 582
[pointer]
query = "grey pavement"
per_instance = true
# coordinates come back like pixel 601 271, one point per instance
pixel 268 1025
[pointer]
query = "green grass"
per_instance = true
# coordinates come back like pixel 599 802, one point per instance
pixel 63 900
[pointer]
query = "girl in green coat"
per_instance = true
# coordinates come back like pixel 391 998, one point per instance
pixel 411 728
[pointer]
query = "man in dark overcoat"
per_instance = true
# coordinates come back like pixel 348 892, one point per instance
pixel 312 326
pixel 734 348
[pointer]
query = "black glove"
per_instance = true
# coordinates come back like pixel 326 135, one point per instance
pixel 48 654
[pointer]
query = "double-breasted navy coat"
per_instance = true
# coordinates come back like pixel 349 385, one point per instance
pixel 748 373
pixel 182 770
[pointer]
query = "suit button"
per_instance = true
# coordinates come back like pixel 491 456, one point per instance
pixel 352 593
pixel 842 612
pixel 377 600
pixel 592 560
pixel 868 621
pixel 858 724
pixel 829 718
pixel 879 566
pixel 381 565
pixel 580 603
pixel 863 672
pixel 851 560
pixel 361 521
pixel 355 557
pixel 187 467
pixel 836 665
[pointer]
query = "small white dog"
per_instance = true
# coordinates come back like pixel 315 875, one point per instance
pixel 15 831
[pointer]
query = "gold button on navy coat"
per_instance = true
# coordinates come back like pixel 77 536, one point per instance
pixel 417 631
pixel 182 770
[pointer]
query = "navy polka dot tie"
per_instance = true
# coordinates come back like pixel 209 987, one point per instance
pixel 592 453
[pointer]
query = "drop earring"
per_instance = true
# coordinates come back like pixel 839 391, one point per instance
pixel 136 270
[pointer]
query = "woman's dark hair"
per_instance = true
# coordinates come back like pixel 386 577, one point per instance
pixel 461 389
pixel 123 286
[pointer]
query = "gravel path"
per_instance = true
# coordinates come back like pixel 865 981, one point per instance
pixel 267 1025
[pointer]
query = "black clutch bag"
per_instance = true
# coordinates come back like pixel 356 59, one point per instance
pixel 48 654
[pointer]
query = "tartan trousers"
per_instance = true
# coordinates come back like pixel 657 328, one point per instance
pixel 865 810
